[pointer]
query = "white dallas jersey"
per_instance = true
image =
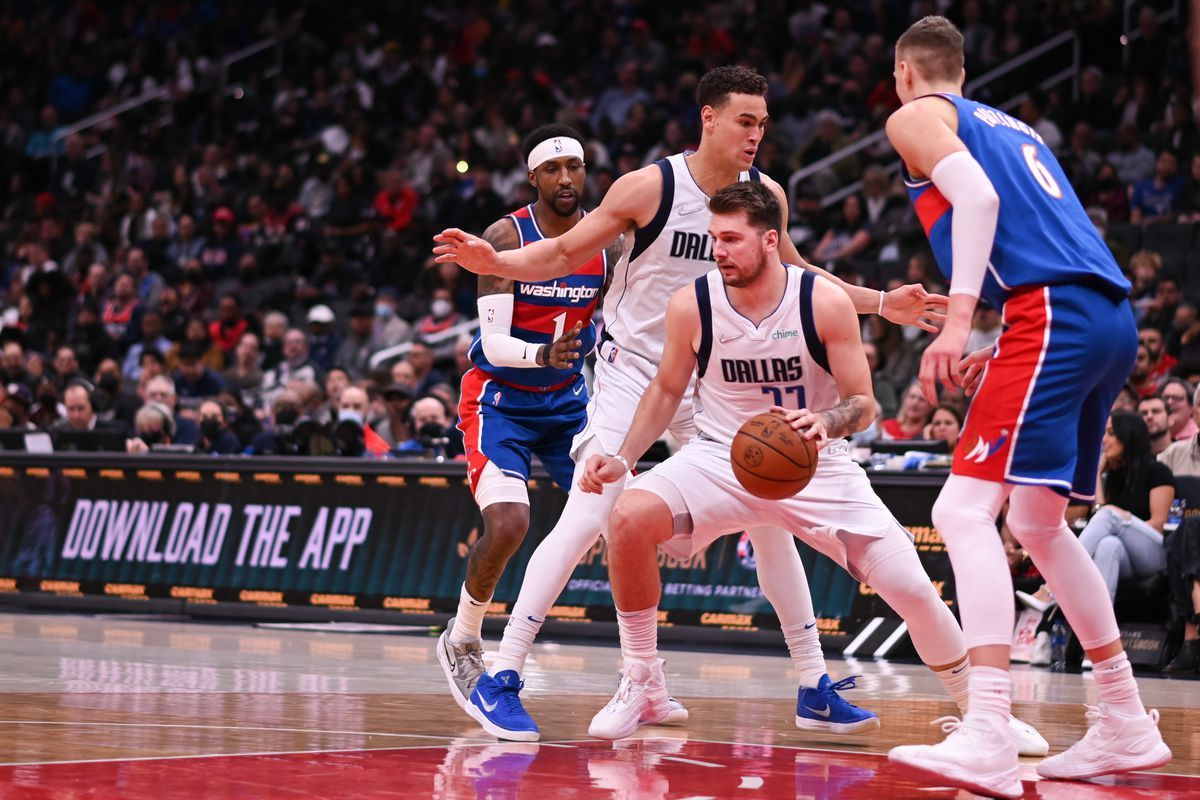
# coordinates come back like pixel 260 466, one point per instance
pixel 666 255
pixel 744 368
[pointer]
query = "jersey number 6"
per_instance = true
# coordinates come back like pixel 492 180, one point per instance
pixel 1040 172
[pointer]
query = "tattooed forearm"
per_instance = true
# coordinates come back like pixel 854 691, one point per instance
pixel 849 416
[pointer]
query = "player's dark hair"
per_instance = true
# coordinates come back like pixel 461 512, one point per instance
pixel 757 201
pixel 544 132
pixel 935 47
pixel 717 84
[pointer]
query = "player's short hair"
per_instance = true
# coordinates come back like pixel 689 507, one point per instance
pixel 757 201
pixel 717 84
pixel 544 132
pixel 935 47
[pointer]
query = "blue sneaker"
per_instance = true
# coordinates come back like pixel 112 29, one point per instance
pixel 496 705
pixel 821 709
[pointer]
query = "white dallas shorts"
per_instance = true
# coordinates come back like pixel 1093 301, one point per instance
pixel 622 378
pixel 838 513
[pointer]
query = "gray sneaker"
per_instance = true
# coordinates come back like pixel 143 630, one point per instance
pixel 462 663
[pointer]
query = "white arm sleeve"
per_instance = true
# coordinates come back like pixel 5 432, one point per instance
pixel 964 184
pixel 495 333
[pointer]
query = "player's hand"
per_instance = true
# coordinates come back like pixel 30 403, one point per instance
pixel 940 362
pixel 601 470
pixel 808 424
pixel 912 305
pixel 565 349
pixel 469 252
pixel 970 369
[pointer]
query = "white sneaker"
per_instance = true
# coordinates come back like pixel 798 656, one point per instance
pixel 1113 743
pixel 641 699
pixel 678 713
pixel 1029 742
pixel 1039 654
pixel 975 756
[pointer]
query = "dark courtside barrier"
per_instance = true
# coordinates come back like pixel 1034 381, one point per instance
pixel 323 537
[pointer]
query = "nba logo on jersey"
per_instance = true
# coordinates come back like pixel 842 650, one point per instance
pixel 612 354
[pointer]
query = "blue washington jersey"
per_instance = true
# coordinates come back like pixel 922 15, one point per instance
pixel 1043 235
pixel 542 311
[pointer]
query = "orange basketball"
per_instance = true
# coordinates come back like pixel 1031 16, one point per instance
pixel 771 460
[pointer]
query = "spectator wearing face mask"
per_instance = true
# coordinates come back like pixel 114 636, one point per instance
pixel 352 413
pixel 432 431
pixel 389 328
pixel 285 411
pixel 215 436
pixel 153 424
pixel 441 314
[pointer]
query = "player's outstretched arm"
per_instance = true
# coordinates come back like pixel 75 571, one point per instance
pixel 906 305
pixel 924 133
pixel 630 202
pixel 661 400
pixel 838 331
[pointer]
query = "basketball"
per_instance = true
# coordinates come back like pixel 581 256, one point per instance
pixel 771 460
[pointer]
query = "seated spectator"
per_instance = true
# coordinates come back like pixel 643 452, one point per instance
pixel 1168 294
pixel 215 436
pixel 274 438
pixel 151 337
pixel 1156 198
pixel 113 400
pixel 193 379
pixel 425 377
pixel 230 324
pixel 18 403
pixel 1161 362
pixel 196 333
pixel 245 375
pixel 153 424
pixel 1183 456
pixel 1126 400
pixel 323 343
pixel 66 366
pixel 397 402
pixel 355 352
pixel 337 380
pixel 442 314
pixel 433 433
pixel 945 425
pixel 1132 160
pixel 1189 194
pixel 1177 395
pixel 161 389
pixel 12 365
pixel 1144 266
pixel 389 328
pixel 1183 572
pixel 1139 377
pixel 1153 412
pixel 911 419
pixel 81 413
pixel 1109 194
pixel 848 238
pixel 352 407
pixel 296 365
pixel 1134 497
pixel 986 328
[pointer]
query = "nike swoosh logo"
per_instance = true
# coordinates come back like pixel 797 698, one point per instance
pixel 730 338
pixel 683 212
pixel 490 707
pixel 810 626
pixel 534 619
pixel 579 390
pixel 825 712
pixel 960 669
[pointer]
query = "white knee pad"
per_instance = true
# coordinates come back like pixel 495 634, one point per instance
pixel 496 487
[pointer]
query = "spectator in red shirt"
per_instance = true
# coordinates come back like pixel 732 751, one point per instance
pixel 1161 361
pixel 911 419
pixel 1139 378
pixel 227 329
pixel 396 202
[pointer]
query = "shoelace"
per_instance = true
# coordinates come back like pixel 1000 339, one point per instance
pixel 621 698
pixel 475 659
pixel 510 697
pixel 845 683
pixel 948 724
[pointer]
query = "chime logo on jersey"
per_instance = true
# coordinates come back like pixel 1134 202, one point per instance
pixel 762 370
pixel 697 246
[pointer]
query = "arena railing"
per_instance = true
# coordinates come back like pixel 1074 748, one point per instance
pixel 1130 33
pixel 879 138
pixel 389 354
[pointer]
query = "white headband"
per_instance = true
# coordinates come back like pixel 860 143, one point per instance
pixel 558 147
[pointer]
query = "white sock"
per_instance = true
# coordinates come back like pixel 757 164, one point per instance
pixel 991 696
pixel 804 645
pixel 522 628
pixel 956 680
pixel 1116 686
pixel 639 634
pixel 468 620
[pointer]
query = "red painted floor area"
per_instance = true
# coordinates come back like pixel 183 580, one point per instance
pixel 649 769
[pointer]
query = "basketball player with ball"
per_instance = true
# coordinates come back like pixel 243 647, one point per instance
pixel 760 337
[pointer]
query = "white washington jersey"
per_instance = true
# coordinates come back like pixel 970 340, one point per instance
pixel 667 254
pixel 744 368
